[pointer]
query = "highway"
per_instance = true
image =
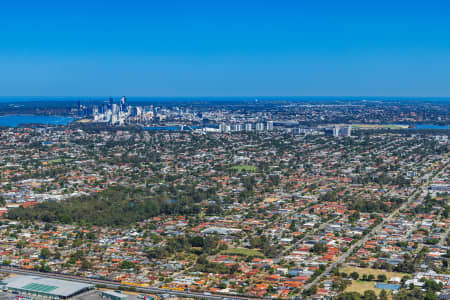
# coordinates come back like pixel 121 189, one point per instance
pixel 116 285
pixel 358 244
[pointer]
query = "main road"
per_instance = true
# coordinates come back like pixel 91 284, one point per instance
pixel 444 237
pixel 377 228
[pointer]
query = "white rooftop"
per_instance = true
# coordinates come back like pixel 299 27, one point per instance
pixel 46 285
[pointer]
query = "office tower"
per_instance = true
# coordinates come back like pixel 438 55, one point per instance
pixel 248 127
pixel 269 125
pixel 123 104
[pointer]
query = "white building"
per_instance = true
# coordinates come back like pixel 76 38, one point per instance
pixel 259 126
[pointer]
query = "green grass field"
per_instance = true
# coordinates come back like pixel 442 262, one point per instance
pixel 243 252
pixel 368 271
pixel 380 126
pixel 362 286
pixel 245 168
pixel 60 160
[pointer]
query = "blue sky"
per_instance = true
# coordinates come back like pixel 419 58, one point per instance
pixel 225 48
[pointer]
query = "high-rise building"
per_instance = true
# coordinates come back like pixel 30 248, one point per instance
pixel 222 127
pixel 236 127
pixel 259 126
pixel 123 104
pixel 248 127
pixel 346 131
pixel 269 125
pixel 336 131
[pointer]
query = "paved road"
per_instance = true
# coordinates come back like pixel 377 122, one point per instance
pixel 114 285
pixel 444 237
pixel 358 244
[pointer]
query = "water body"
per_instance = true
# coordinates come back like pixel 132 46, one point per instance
pixel 429 126
pixel 16 120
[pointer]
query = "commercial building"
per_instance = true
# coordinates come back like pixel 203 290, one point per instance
pixel 113 295
pixel 45 287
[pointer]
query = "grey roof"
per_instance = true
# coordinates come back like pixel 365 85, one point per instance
pixel 48 286
pixel 115 294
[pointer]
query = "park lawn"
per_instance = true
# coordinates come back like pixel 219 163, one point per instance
pixel 245 168
pixel 362 286
pixel 243 252
pixel 60 160
pixel 380 126
pixel 368 271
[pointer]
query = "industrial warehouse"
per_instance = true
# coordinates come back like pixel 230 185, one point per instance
pixel 49 288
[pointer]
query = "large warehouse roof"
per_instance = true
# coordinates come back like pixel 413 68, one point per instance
pixel 61 288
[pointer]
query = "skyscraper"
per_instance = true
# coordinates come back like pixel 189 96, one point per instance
pixel 123 104
pixel 336 131
pixel 110 104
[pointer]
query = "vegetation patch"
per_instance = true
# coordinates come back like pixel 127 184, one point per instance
pixel 245 168
pixel 370 271
pixel 243 252
pixel 362 286
pixel 118 206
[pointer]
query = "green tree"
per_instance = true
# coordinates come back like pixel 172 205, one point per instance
pixel 354 275
pixel 370 295
pixel 45 253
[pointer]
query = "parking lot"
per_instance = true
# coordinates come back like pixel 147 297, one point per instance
pixel 95 295
pixel 7 296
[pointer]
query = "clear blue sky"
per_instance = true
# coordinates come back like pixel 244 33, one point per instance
pixel 225 48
